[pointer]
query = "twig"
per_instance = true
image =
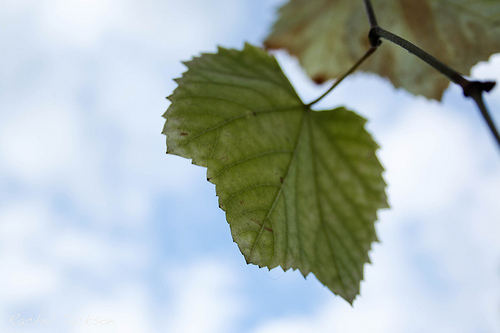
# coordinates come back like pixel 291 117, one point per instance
pixel 415 50
pixel 370 13
pixel 477 96
pixel 472 89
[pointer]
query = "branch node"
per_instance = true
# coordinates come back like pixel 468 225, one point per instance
pixel 374 38
pixel 477 87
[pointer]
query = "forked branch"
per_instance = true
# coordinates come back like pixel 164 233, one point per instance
pixel 472 89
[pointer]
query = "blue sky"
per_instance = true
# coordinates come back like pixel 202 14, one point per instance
pixel 97 221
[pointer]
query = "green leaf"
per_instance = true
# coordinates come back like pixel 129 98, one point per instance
pixel 328 36
pixel 300 188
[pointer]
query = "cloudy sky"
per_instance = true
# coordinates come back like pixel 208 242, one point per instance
pixel 101 231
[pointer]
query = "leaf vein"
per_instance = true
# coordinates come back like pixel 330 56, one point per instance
pixel 320 212
pixel 253 157
pixel 231 197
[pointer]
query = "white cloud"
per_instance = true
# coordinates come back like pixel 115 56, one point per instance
pixel 40 255
pixel 427 155
pixel 108 161
pixel 204 299
pixel 24 274
pixel 39 142
pixel 371 317
pixel 79 22
pixel 126 309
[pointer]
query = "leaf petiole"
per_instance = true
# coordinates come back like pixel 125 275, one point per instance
pixel 346 74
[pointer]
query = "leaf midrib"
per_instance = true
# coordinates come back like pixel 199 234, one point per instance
pixel 305 112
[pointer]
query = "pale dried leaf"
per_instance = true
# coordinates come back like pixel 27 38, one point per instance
pixel 329 35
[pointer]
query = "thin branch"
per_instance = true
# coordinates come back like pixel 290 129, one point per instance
pixel 412 48
pixel 346 74
pixel 472 89
pixel 477 96
pixel 374 39
pixel 371 14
